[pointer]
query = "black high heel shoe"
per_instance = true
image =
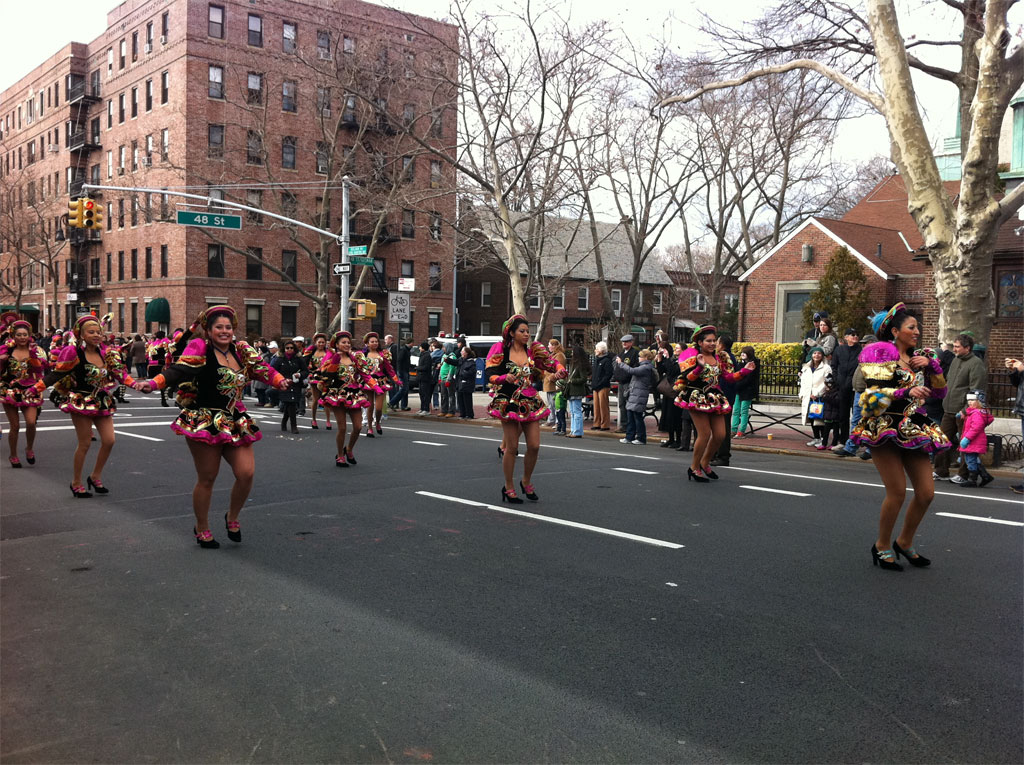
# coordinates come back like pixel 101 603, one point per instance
pixel 97 486
pixel 351 457
pixel 698 476
pixel 882 558
pixel 234 529
pixel 80 492
pixel 501 453
pixel 919 561
pixel 530 493
pixel 205 539
pixel 511 497
pixel 711 474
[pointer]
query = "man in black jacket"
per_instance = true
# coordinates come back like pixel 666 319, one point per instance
pixel 844 364
pixel 403 363
pixel 630 356
pixel 425 379
pixel 729 389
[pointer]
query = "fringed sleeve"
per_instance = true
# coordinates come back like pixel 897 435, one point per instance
pixel 115 365
pixel 388 367
pixel 187 366
pixel 543 360
pixel 255 366
pixel 494 363
pixel 729 374
pixel 67 360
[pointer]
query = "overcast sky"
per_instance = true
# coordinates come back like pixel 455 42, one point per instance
pixel 28 36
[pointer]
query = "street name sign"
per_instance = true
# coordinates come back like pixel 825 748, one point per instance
pixel 360 250
pixel 209 220
pixel 362 261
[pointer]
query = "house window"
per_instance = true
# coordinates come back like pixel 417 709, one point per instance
pixel 215 141
pixel 732 301
pixel 323 44
pixel 433 323
pixel 348 44
pixel 435 226
pixel 698 302
pixel 348 113
pixel 148 265
pixel 289 265
pixel 289 33
pixel 165 86
pixel 323 100
pixel 135 264
pixel 254 198
pixel 253 320
pixel 288 99
pixel 1010 294
pixel 254 264
pixel 255 30
pixel 485 328
pixel 215 261
pixel 120 265
pixel 253 148
pixel 408 269
pixel 215 27
pixel 254 88
pixel 408 224
pixel 323 151
pixel 617 302
pixel 149 95
pixel 163 260
pixel 656 298
pixel 435 173
pixel 485 294
pixel 288 152
pixel 559 302
pixel 557 332
pixel 583 299
pixel 434 275
pixel 216 81
pixel 289 320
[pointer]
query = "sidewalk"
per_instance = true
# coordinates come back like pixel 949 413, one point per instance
pixel 775 439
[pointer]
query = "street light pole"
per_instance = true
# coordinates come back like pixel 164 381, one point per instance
pixel 343 315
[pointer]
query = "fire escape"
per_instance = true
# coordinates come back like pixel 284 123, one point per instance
pixel 83 138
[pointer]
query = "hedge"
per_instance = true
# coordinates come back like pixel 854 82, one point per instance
pixel 773 353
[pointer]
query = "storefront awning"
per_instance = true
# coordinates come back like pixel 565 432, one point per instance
pixel 636 329
pixel 684 324
pixel 23 308
pixel 158 311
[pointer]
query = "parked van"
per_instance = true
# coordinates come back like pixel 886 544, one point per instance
pixel 480 344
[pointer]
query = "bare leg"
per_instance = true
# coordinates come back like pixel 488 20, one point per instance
pixel 339 438
pixel 889 464
pixel 207 461
pixel 30 427
pixel 356 416
pixel 243 465
pixel 919 470
pixel 717 424
pixel 15 423
pixel 531 432
pixel 378 408
pixel 105 427
pixel 702 424
pixel 510 440
pixel 83 429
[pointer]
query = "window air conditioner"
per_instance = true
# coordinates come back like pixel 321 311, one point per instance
pixel 163 39
pixel 120 171
pixel 53 148
pixel 148 48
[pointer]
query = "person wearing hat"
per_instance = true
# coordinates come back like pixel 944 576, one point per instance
pixel 966 372
pixel 22 366
pixel 629 356
pixel 812 338
pixel 344 379
pixel 844 365
pixel 812 386
pixel 973 441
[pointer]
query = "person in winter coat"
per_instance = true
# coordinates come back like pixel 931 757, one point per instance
pixel 671 415
pixel 641 382
pixel 844 364
pixel 1016 367
pixel 291 367
pixel 140 360
pixel 466 383
pixel 576 389
pixel 601 384
pixel 973 441
pixel 424 379
pixel 831 398
pixel 812 385
pixel 557 352
pixel 827 340
pixel 447 380
pixel 746 392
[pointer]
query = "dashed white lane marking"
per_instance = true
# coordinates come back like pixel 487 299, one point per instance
pixel 984 520
pixel 429 443
pixel 543 446
pixel 776 491
pixel 136 435
pixel 136 424
pixel 634 470
pixel 959 495
pixel 558 521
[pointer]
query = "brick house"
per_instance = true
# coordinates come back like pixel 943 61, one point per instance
pixel 881 235
pixel 176 93
pixel 690 306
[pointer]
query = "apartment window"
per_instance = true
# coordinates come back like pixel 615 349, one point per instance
pixel 110 61
pixel 135 47
pixel 435 226
pixel 408 169
pixel 559 302
pixel 94 271
pixel 656 298
pixel 408 269
pixel 698 302
pixel 485 328
pixel 120 213
pixel 120 317
pixel 289 33
pixel 323 44
pixel 254 264
pixel 147 209
pixel 120 108
pixel 255 30
pixel 164 207
pixel 120 266
pixel 165 24
pixel 323 152
pixel 165 143
pixel 163 260
pixel 289 205
pixel 215 261
pixel 213 194
pixel 148 263
pixel 348 112
pixel 135 211
pixel 433 323
pixel 436 126
pixel 149 148
pixel 110 114
pixel 110 225
pixel 254 88
pixel 165 86
pixel 135 156
pixel 435 173
pixel 533 299
pixel 135 317
pixel 149 33
pixel 348 44
pixel 216 81
pixel 323 100
pixel 485 294
pixel 616 302
pixel 583 299
pixel 135 102
pixel 289 320
pixel 288 99
pixel 289 266
pixel 408 114
pixel 110 260
pixel 123 48
pixel 253 148
pixel 135 264
pixel 215 141
pixel 149 95
pixel 253 320
pixel 408 224
pixel 215 27
pixel 254 198
pixel 288 152
pixel 434 277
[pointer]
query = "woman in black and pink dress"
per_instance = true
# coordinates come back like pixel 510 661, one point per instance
pixel 344 381
pixel 22 366
pixel 382 378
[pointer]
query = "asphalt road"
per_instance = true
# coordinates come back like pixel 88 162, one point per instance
pixel 395 612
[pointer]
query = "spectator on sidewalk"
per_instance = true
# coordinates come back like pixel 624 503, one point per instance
pixel 827 340
pixel 966 373
pixel 811 338
pixel 844 365
pixel 436 358
pixel 448 380
pixel 973 441
pixel 640 386
pixel 667 368
pixel 724 454
pixel 139 359
pixel 746 393
pixel 601 384
pixel 576 389
pixel 424 379
pixel 403 366
pixel 555 351
pixel 812 385
pixel 466 383
pixel 630 358
pixel 1016 367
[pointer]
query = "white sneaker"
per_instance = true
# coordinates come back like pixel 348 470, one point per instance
pixel 937 477
pixel 637 441
pixel 958 480
pixel 627 441
pixel 814 442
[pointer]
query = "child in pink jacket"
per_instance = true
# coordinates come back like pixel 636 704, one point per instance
pixel 973 441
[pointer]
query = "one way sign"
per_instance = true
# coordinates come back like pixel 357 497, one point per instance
pixel 340 269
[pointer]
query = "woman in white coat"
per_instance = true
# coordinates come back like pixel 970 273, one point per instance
pixel 812 385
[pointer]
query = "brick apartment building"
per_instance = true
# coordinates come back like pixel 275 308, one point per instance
pixel 879 232
pixel 266 104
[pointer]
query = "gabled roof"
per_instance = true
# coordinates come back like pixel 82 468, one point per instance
pixel 862 242
pixel 885 206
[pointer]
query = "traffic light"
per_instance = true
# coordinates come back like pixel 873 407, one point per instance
pixel 91 216
pixel 76 208
pixel 363 309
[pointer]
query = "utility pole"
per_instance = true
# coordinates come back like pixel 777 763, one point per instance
pixel 343 314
